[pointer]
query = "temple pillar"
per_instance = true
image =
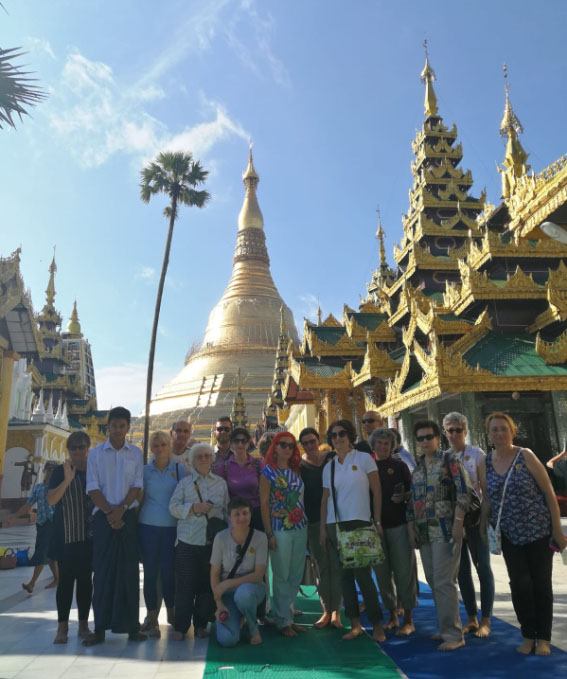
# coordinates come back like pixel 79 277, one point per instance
pixel 405 427
pixel 559 402
pixel 433 412
pixel 471 408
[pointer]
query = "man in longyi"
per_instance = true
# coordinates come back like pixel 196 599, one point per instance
pixel 114 480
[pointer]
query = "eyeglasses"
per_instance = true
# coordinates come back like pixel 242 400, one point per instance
pixel 285 444
pixel 223 428
pixel 240 440
pixel 455 430
pixel 339 434
pixel 308 442
pixel 181 431
pixel 425 437
pixel 81 447
pixel 369 420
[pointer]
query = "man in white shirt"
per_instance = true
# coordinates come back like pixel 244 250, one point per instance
pixel 181 437
pixel 114 480
pixel 456 426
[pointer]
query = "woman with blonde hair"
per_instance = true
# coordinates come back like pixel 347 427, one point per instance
pixel 520 502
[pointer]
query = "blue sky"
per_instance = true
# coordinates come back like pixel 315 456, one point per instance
pixel 328 91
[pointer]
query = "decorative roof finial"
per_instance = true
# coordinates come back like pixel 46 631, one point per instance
pixel 380 236
pixel 427 77
pixel 250 214
pixel 510 125
pixel 50 291
pixel 319 315
pixel 74 326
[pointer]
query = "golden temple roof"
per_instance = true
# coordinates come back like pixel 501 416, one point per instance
pixel 250 215
pixel 74 326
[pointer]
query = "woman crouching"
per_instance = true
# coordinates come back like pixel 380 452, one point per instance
pixel 238 563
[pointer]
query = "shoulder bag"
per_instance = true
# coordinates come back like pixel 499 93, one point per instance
pixel 360 547
pixel 472 515
pixel 214 525
pixel 494 535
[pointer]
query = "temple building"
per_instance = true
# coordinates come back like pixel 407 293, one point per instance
pixel 47 387
pixel 236 358
pixel 474 316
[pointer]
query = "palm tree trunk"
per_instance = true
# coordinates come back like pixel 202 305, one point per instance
pixel 157 310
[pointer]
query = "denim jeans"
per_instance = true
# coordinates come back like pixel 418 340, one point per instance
pixel 485 576
pixel 242 601
pixel 157 549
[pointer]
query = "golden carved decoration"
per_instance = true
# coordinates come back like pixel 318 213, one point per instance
pixel 481 327
pixel 552 352
pixel 377 363
pixel 331 322
pixel 307 380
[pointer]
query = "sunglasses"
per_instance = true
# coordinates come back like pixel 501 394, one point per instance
pixel 82 447
pixel 182 431
pixel 284 445
pixel 455 430
pixel 368 420
pixel 223 428
pixel 339 434
pixel 240 440
pixel 308 442
pixel 425 437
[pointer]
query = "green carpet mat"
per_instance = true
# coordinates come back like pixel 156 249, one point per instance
pixel 317 654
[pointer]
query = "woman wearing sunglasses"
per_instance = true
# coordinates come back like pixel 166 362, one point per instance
pixel 436 510
pixel 283 515
pixel 355 474
pixel 242 472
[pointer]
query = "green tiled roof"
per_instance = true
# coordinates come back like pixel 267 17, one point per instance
pixel 368 321
pixel 452 317
pixel 434 295
pixel 329 334
pixel 511 355
pixel 314 365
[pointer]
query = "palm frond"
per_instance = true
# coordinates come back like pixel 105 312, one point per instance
pixel 16 90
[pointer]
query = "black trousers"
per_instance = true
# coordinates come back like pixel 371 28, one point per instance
pixel 529 568
pixel 75 566
pixel 193 595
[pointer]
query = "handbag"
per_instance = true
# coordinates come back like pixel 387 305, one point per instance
pixel 309 573
pixel 214 524
pixel 493 532
pixel 359 547
pixel 8 560
pixel 472 515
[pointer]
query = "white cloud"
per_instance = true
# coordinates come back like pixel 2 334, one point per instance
pixel 146 273
pixel 39 45
pixel 309 306
pixel 126 385
pixel 97 118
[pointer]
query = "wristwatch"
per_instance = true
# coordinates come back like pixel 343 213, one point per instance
pixel 377 523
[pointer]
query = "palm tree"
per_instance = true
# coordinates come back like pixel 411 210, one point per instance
pixel 177 175
pixel 16 90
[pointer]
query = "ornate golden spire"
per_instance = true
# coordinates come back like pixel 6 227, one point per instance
pixel 50 290
pixel 380 237
pixel 74 326
pixel 250 215
pixel 319 315
pixel 428 76
pixel 514 163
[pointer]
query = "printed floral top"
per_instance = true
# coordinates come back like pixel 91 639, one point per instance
pixel 286 499
pixel 434 495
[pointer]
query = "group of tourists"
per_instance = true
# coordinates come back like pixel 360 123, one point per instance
pixel 209 524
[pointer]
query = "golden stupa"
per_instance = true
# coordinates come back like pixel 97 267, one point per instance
pixel 242 335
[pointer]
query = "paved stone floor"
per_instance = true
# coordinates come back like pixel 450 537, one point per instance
pixel 28 625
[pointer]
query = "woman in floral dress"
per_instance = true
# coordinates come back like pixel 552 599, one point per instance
pixel 283 515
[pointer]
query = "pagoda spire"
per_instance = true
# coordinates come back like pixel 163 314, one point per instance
pixel 515 165
pixel 238 415
pixel 380 237
pixel 74 326
pixel 50 290
pixel 250 214
pixel 427 77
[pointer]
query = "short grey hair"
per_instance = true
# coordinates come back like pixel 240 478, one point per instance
pixel 382 433
pixel 459 419
pixel 197 448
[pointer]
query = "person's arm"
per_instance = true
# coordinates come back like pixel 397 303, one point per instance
pixel 323 522
pixel 463 485
pixel 265 511
pixel 56 493
pixel 23 510
pixel 555 459
pixel 485 508
pixel 232 583
pixel 410 518
pixel 376 488
pixel 537 470
pixel 215 583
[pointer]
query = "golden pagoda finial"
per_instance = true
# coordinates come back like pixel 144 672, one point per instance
pixel 427 77
pixel 515 165
pixel 250 214
pixel 319 315
pixel 74 326
pixel 50 290
pixel 380 236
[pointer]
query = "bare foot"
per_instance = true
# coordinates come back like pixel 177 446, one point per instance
pixel 471 626
pixel 526 647
pixel 61 636
pixel 484 628
pixel 451 645
pixel 298 628
pixel 436 637
pixel 288 631
pixel 336 620
pixel 27 587
pixel 84 630
pixel 137 636
pixel 378 633
pixel 323 621
pixel 405 630
pixel 94 639
pixel 392 622
pixel 542 647
pixel 255 639
pixel 202 632
pixel 355 632
pixel 52 585
pixel 154 632
pixel 177 636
